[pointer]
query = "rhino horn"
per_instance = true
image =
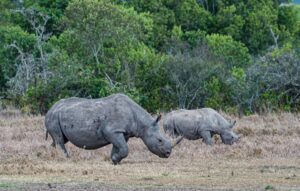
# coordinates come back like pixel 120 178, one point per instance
pixel 177 141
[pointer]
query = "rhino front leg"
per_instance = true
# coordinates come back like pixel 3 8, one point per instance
pixel 120 147
pixel 206 135
pixel 115 150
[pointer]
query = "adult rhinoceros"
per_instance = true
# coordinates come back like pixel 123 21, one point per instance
pixel 200 123
pixel 94 123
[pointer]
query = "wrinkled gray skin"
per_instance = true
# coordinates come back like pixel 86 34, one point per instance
pixel 200 123
pixel 94 123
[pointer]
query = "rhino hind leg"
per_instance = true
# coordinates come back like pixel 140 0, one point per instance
pixel 62 146
pixel 52 144
pixel 57 136
pixel 120 147
pixel 61 140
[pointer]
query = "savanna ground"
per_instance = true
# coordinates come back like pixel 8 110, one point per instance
pixel 267 158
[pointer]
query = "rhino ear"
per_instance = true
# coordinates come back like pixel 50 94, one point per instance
pixel 157 119
pixel 232 124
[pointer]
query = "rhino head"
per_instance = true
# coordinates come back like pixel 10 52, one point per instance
pixel 228 136
pixel 155 141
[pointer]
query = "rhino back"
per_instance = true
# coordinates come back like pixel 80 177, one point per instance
pixel 185 122
pixel 215 120
pixel 52 114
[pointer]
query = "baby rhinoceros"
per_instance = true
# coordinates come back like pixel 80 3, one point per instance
pixel 94 123
pixel 200 123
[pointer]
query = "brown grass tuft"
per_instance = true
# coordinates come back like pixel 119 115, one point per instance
pixel 257 152
pixel 245 131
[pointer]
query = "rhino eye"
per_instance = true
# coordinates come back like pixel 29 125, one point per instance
pixel 160 140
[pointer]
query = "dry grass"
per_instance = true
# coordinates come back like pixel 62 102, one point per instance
pixel 268 155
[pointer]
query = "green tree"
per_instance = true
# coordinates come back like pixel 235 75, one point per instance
pixel 163 19
pixel 53 8
pixel 149 76
pixel 8 57
pixel 5 7
pixel 287 23
pixel 188 70
pixel 261 18
pixel 102 27
pixel 228 22
pixel 233 52
pixel 191 16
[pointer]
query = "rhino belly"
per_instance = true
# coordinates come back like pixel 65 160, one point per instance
pixel 188 129
pixel 192 136
pixel 84 132
pixel 86 139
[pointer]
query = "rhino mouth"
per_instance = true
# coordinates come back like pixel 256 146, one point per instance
pixel 237 140
pixel 165 154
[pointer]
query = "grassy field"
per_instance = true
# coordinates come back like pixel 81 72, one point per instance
pixel 267 158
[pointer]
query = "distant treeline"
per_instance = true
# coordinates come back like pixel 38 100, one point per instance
pixel 238 56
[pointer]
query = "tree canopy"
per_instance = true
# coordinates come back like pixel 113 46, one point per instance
pixel 240 56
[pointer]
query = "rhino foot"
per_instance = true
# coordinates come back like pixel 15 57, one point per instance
pixel 117 157
pixel 120 147
pixel 115 160
pixel 62 146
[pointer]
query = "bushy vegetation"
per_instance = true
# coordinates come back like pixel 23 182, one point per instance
pixel 239 56
pixel 297 9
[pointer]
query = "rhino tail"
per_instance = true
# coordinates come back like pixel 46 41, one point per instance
pixel 46 135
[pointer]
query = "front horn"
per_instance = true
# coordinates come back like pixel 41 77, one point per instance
pixel 177 141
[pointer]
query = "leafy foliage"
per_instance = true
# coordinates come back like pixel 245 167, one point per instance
pixel 234 53
pixel 241 56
